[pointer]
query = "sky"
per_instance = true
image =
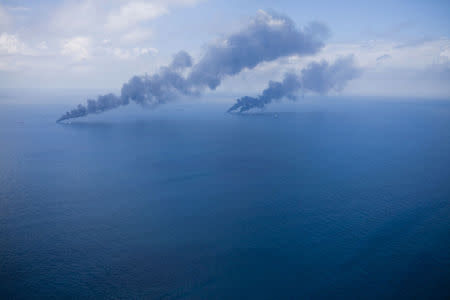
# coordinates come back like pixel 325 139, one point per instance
pixel 402 47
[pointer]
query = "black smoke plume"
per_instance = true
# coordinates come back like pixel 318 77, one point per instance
pixel 316 77
pixel 276 90
pixel 267 37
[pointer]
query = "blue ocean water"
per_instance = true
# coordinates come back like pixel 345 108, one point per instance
pixel 342 200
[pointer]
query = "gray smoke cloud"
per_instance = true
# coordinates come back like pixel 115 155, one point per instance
pixel 316 77
pixel 276 90
pixel 267 37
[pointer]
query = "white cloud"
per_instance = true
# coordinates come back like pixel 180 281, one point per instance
pixel 77 48
pixel 132 53
pixel 445 52
pixel 122 22
pixel 11 44
pixel 120 53
pixel 136 35
pixel 132 13
pixel 109 17
pixel 143 51
pixel 74 18
pixel 106 43
pixel 42 45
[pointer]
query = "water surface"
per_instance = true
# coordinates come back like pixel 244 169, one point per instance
pixel 345 201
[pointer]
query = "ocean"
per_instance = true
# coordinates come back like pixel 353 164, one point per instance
pixel 329 198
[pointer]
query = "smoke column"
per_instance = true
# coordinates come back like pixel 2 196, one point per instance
pixel 155 89
pixel 267 37
pixel 316 77
pixel 276 90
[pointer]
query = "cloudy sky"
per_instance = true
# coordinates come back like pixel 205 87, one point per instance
pixel 403 47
